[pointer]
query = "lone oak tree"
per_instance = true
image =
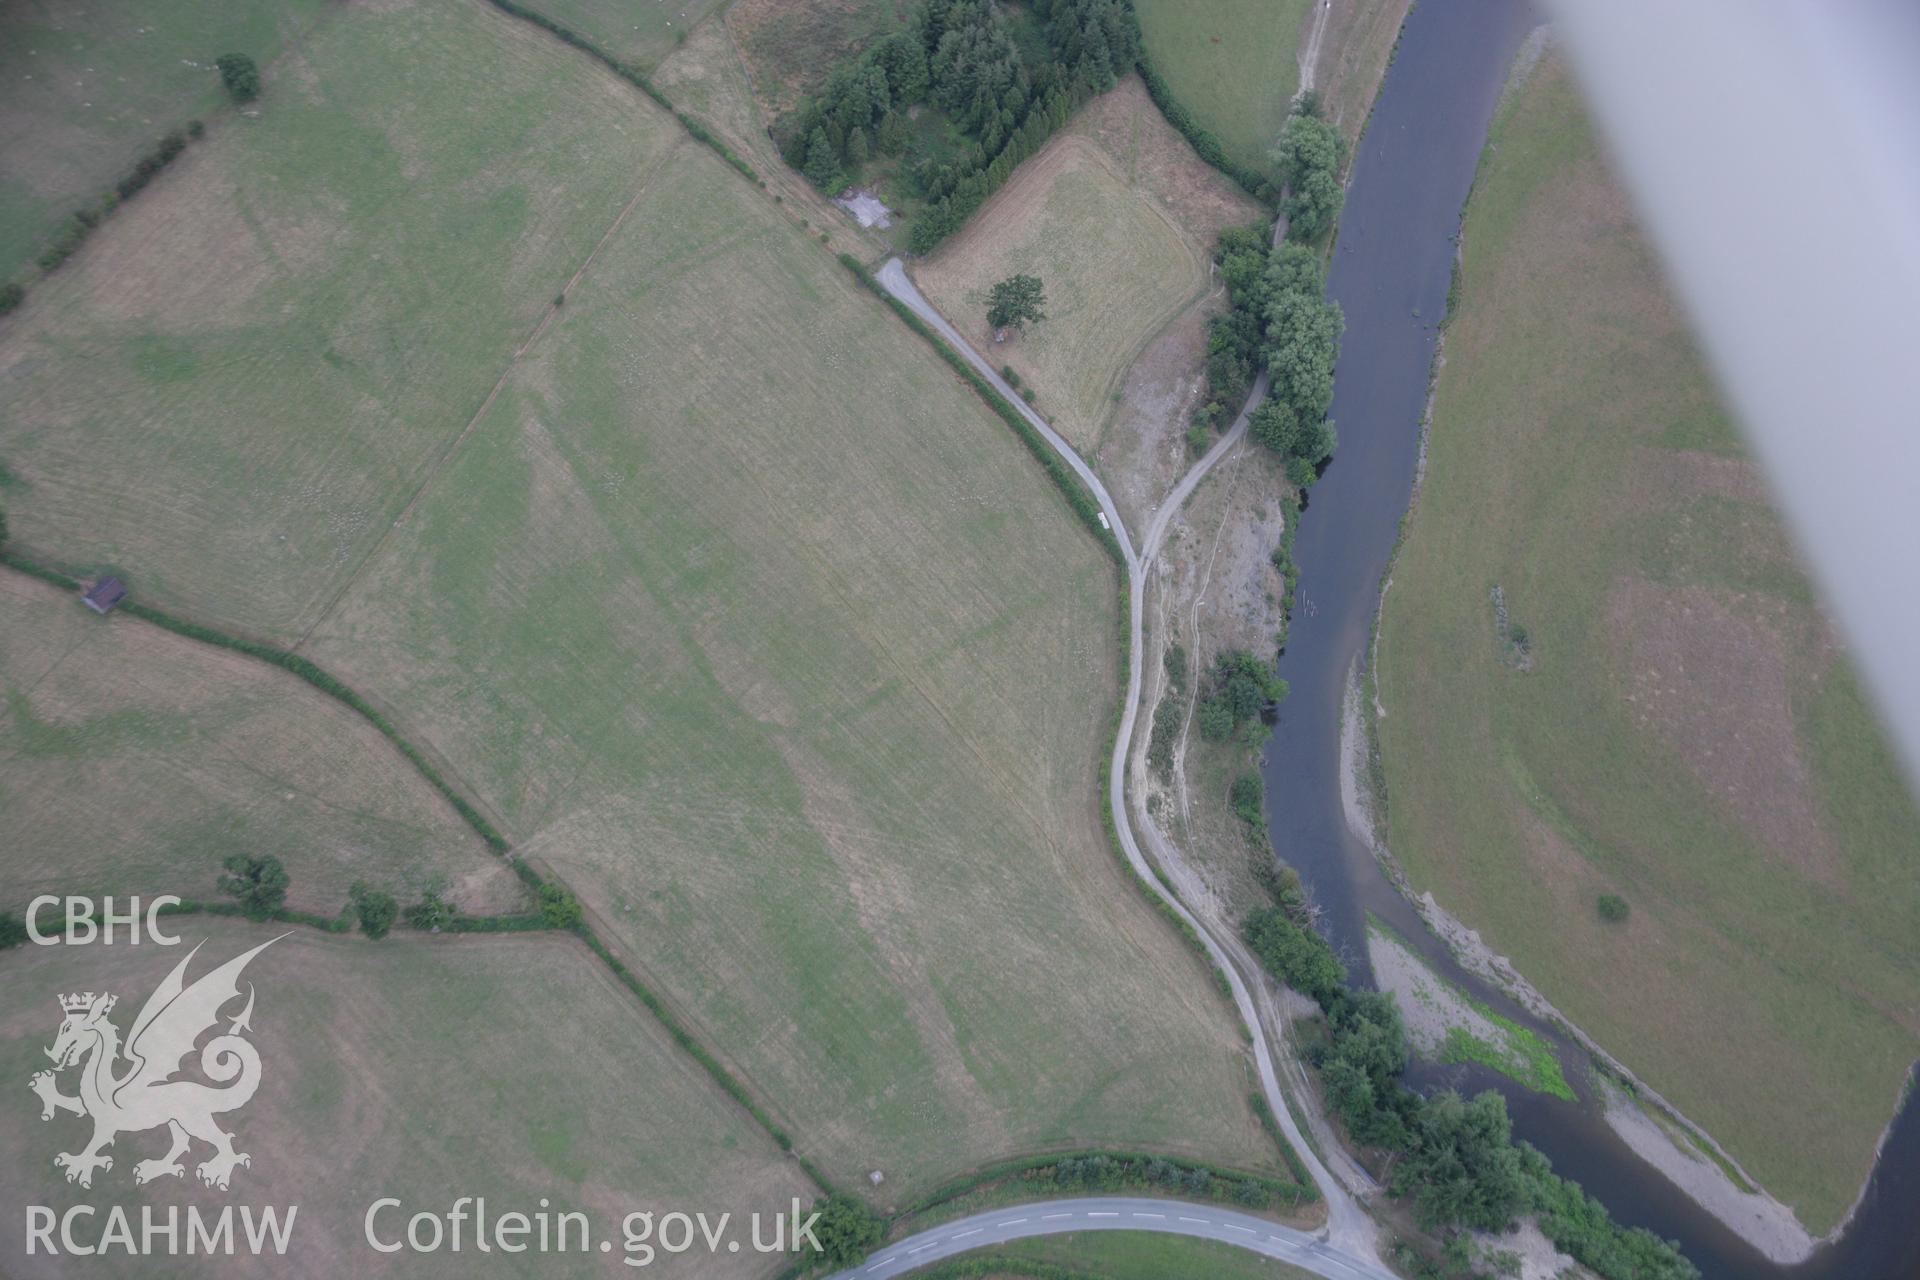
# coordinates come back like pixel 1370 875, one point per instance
pixel 1016 302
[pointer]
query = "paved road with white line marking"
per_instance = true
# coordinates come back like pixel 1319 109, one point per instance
pixel 1113 1213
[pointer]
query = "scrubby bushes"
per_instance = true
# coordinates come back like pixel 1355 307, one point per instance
pixel 1167 715
pixel 560 909
pixel 847 1230
pixel 1234 336
pixel 375 909
pixel 1283 563
pixel 1613 908
pixel 1248 795
pixel 1239 688
pixel 1178 1177
pixel 239 75
pixel 259 885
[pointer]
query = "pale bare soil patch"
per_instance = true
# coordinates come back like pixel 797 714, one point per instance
pixel 1714 680
pixel 1215 588
pixel 132 761
pixel 1144 451
pixel 512 1067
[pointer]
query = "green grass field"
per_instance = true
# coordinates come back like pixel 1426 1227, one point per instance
pixel 1232 62
pixel 1128 1255
pixel 243 378
pixel 83 92
pixel 194 754
pixel 754 624
pixel 1680 726
pixel 511 1067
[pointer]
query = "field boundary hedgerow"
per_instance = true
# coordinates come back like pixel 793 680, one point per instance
pixel 333 687
pixel 84 221
pixel 633 76
pixel 1198 136
pixel 1111 1171
pixel 1301 1190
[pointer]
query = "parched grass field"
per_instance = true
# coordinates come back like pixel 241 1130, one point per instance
pixel 1132 1255
pixel 85 90
pixel 242 379
pixel 1233 63
pixel 755 625
pixel 1117 216
pixel 133 761
pixel 512 1067
pixel 1685 730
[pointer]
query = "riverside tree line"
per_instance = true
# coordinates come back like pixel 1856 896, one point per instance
pixel 1453 1158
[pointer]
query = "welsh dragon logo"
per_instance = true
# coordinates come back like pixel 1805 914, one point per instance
pixel 144 1095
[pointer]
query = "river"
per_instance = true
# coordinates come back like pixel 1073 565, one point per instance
pixel 1390 272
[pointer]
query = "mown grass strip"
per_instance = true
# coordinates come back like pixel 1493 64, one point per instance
pixel 1258 1102
pixel 306 669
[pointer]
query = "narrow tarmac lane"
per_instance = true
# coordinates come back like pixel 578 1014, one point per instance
pixel 1351 1234
pixel 1112 1213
